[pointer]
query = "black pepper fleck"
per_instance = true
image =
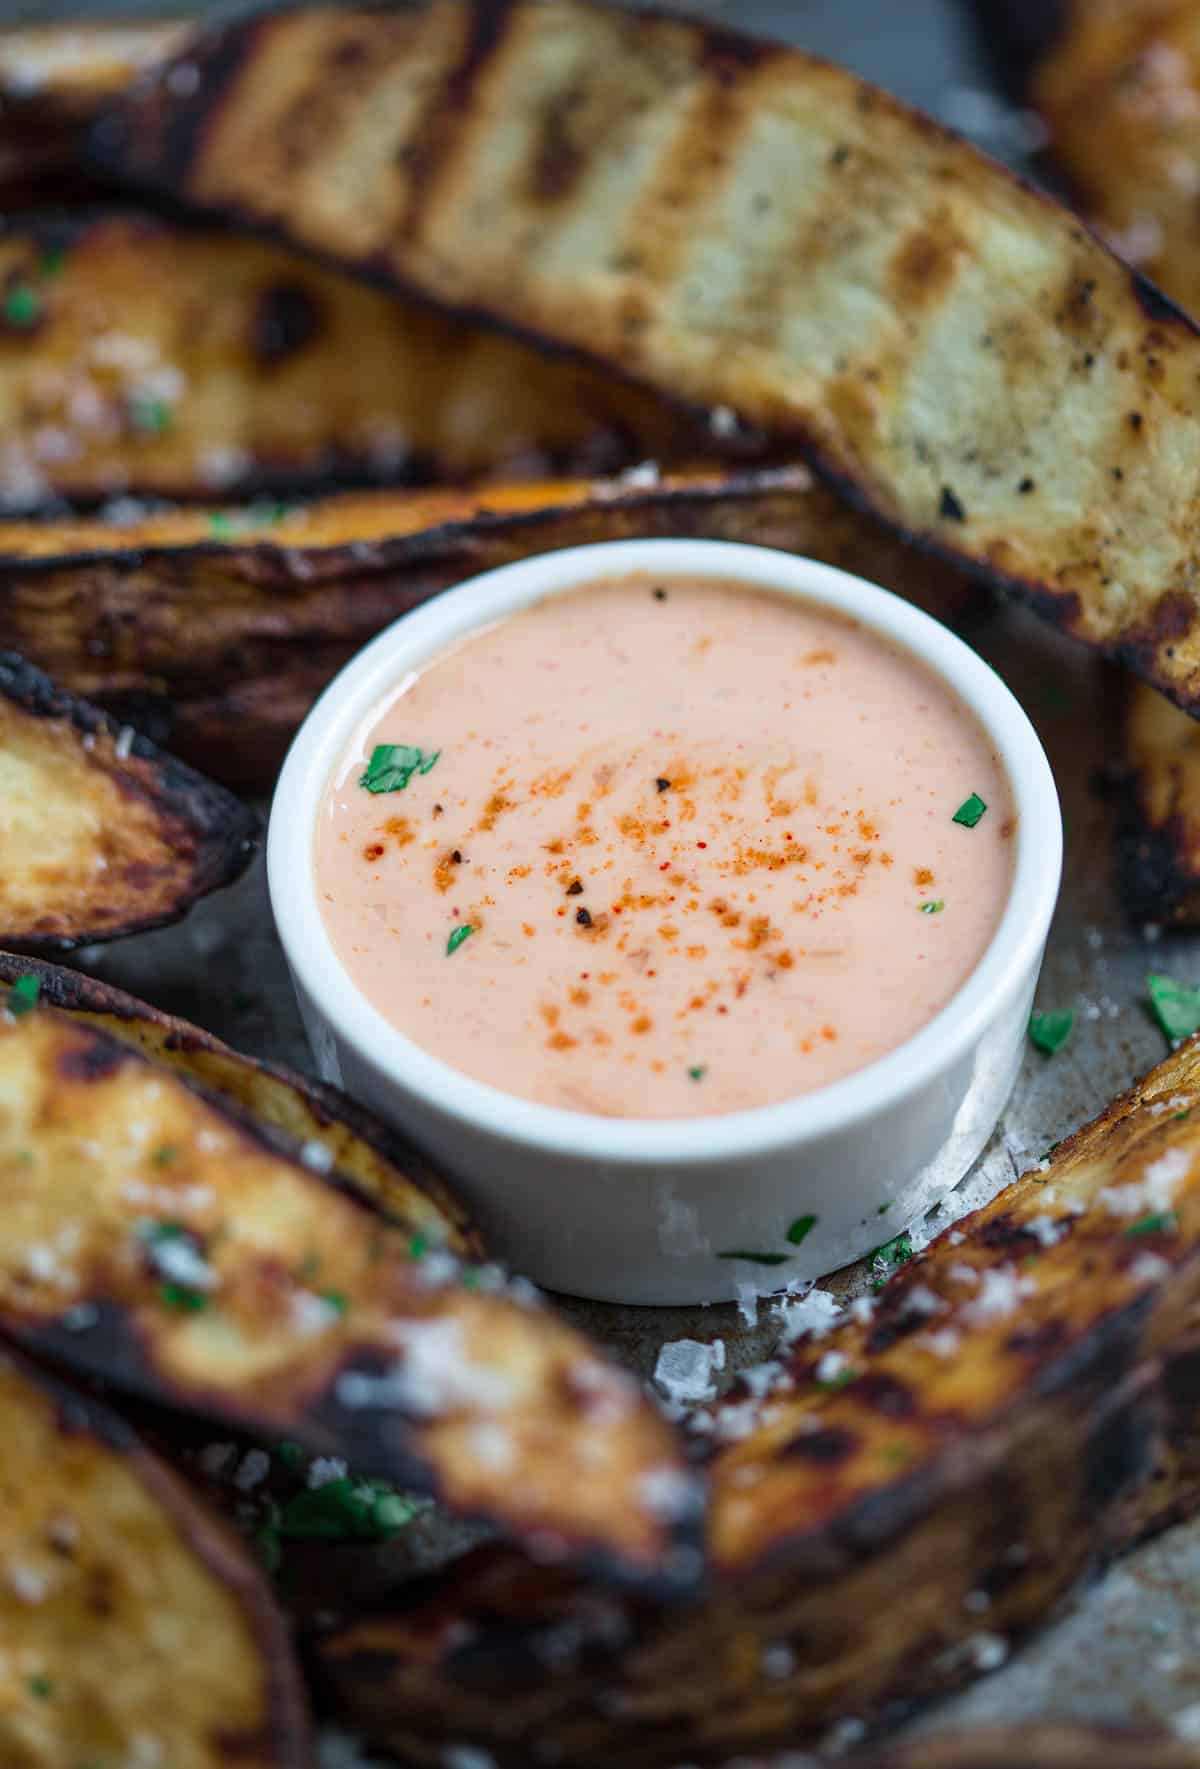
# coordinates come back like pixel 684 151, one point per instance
pixel 662 784
pixel 659 594
pixel 1025 487
pixel 575 888
pixel 456 856
pixel 950 509
pixel 583 917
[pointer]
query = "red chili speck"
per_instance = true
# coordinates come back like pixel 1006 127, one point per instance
pixel 665 867
pixel 701 844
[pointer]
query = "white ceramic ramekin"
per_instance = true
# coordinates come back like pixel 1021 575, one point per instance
pixel 628 1210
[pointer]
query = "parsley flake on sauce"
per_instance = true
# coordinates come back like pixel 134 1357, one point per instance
pixel 698 1071
pixel 23 995
pixel 1175 1007
pixel 335 1300
pixel 970 811
pixel 457 937
pixel 392 766
pixel 934 908
pixel 801 1229
pixel 1048 1032
pixel 41 1686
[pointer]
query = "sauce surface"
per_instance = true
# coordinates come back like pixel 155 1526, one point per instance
pixel 702 839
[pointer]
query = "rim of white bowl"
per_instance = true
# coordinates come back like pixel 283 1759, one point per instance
pixel 421 635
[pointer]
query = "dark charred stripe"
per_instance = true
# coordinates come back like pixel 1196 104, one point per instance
pixel 122 141
pixel 885 1394
pixel 1120 1450
pixel 1039 1341
pixel 558 160
pixel 431 148
pixel 824 1447
pixel 93 1061
pixel 286 318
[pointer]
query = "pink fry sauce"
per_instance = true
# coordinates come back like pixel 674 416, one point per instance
pixel 700 838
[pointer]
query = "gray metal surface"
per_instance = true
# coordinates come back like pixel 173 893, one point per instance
pixel 1127 1649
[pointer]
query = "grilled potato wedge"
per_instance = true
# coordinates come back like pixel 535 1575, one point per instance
pixel 101 834
pixel 217 630
pixel 955 351
pixel 1119 91
pixel 189 1257
pixel 139 356
pixel 53 79
pixel 400 1180
pixel 1018 1403
pixel 134 1626
pixel 1158 849
pixel 1047 1746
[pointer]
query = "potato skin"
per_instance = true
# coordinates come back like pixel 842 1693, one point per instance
pixel 215 631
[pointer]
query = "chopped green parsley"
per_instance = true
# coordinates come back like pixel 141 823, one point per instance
pixel 41 1686
pixel 1175 1007
pixel 418 1246
pixel 187 1301
pixel 698 1072
pixel 1163 1223
pixel 162 1157
pixel 22 307
pixel 970 811
pixel 457 937
pixel 885 1259
pixel 24 995
pixel 1048 1032
pixel 151 416
pixel 934 908
pixel 801 1229
pixel 335 1300
pixel 392 766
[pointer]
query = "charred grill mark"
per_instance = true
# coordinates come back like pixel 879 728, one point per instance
pixel 187 119
pixel 558 160
pixel 1004 1234
pixel 924 265
pixel 1120 1448
pixel 430 148
pixel 91 1062
pixel 823 1447
pixel 286 317
pixel 730 54
pixel 1037 1342
pixel 885 1394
